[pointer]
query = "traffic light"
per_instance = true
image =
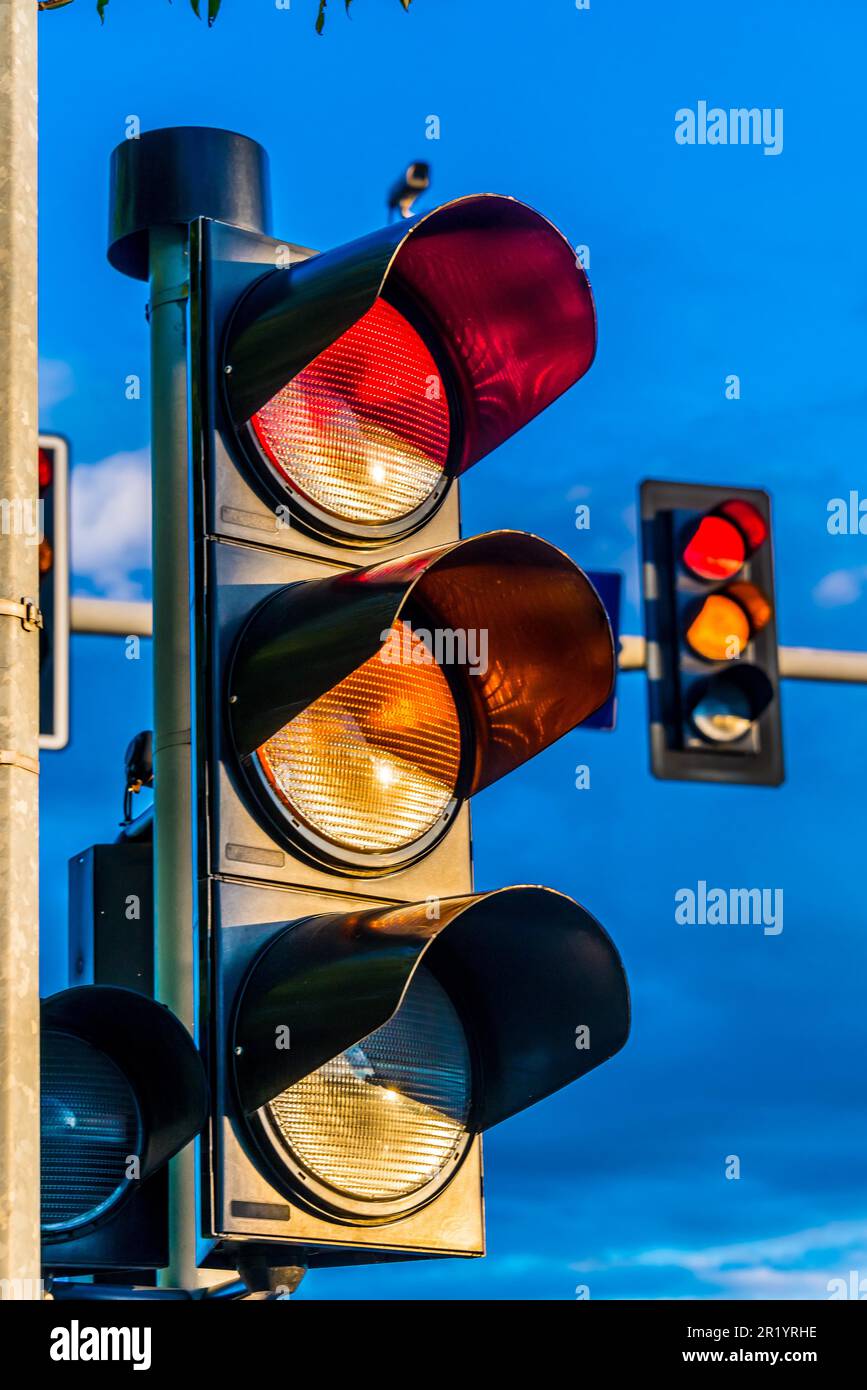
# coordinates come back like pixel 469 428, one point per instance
pixel 360 672
pixel 710 616
pixel 122 1084
pixel 53 540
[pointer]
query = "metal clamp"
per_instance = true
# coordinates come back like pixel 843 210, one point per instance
pixel 173 294
pixel 9 758
pixel 27 610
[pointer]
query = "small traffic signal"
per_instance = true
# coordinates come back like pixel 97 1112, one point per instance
pixel 710 616
pixel 359 672
pixel 122 1085
pixel 53 540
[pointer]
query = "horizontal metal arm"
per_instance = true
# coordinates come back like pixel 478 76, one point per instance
pixel 110 617
pixel 796 663
pixel 114 618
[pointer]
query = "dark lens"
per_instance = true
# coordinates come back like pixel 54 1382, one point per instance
pixel 90 1129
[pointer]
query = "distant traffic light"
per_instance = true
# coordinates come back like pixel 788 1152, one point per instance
pixel 360 672
pixel 53 541
pixel 713 678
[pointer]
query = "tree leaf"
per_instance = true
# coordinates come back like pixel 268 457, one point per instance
pixel 195 5
pixel 320 18
pixel 406 3
pixel 213 11
pixel 100 10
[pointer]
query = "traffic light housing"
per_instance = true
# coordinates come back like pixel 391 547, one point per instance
pixel 710 622
pixel 359 672
pixel 366 998
pixel 53 541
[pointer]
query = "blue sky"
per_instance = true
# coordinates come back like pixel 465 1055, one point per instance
pixel 705 261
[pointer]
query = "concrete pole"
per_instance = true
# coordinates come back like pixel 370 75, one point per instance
pixel 19 660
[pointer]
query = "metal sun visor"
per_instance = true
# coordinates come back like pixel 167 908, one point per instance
pixel 526 968
pixel 550 659
pixel 498 286
pixel 152 1049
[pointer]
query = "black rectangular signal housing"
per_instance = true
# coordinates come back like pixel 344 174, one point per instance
pixel 251 883
pixel 713 695
pixel 111 942
pixel 53 540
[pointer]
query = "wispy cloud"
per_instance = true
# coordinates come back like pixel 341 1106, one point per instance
pixel 797 1265
pixel 111 523
pixel 840 587
pixel 56 382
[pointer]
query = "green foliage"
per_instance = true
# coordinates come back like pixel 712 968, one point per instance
pixel 323 5
pixel 214 10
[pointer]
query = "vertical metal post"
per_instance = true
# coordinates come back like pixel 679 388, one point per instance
pixel 173 809
pixel 19 661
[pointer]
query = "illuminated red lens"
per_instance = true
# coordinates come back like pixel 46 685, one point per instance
pixel 750 521
pixel 716 549
pixel 362 432
pixel 46 469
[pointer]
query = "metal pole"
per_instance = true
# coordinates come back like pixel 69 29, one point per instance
pixel 19 661
pixel 173 820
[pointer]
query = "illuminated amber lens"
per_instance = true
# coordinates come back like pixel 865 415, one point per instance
pixel 716 550
pixel 721 629
pixel 363 431
pixel 374 762
pixel 387 1116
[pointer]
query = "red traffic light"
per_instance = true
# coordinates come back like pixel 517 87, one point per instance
pixel 715 550
pixel 722 541
pixel 363 379
pixel 46 469
pixel 364 431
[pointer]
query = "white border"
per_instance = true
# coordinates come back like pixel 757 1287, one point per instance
pixel 60 637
